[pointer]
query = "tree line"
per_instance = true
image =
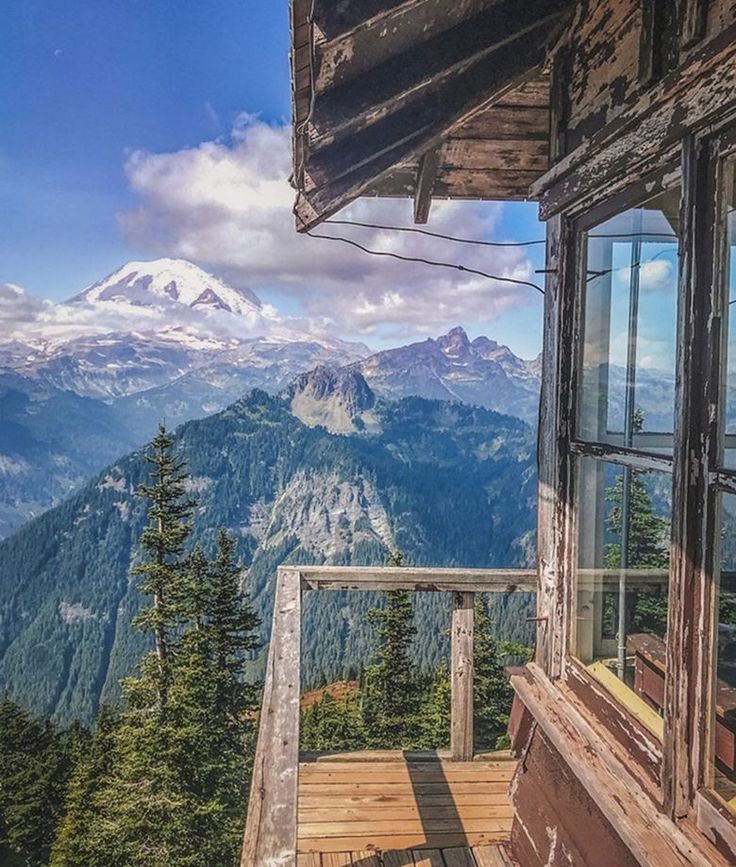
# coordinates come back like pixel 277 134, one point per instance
pixel 162 780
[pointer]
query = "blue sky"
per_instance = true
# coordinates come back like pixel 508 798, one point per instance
pixel 83 85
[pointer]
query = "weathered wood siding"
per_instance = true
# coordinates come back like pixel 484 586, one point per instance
pixel 605 47
pixel 556 823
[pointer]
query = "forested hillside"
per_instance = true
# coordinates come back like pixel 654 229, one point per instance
pixel 446 484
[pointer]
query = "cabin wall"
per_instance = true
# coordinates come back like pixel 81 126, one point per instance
pixel 605 69
pixel 556 823
pixel 621 110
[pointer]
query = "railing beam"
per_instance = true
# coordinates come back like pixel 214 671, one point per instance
pixel 461 714
pixel 270 829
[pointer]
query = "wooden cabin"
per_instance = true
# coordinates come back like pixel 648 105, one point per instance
pixel 619 118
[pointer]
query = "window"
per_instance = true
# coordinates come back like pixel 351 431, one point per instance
pixel 723 749
pixel 721 763
pixel 629 326
pixel 625 399
pixel 622 573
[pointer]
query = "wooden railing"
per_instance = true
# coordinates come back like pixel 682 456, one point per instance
pixel 271 824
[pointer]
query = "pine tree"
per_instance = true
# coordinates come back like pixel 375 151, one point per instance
pixel 391 686
pixel 332 724
pixel 647 548
pixel 74 843
pixel 492 692
pixel 163 565
pixel 35 764
pixel 435 716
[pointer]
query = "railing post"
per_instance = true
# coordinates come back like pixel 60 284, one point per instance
pixel 461 714
pixel 270 827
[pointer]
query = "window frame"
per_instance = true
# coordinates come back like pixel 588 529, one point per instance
pixel 707 335
pixel 645 747
pixel 674 770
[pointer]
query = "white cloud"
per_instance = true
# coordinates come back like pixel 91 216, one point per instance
pixel 227 204
pixel 18 309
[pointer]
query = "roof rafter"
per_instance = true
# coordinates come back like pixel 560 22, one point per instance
pixel 344 169
pixel 404 77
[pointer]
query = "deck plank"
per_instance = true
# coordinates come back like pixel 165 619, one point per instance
pixel 428 858
pixel 391 812
pixel 491 856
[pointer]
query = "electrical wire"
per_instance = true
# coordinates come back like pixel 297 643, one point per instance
pixel 479 242
pixel 431 262
pixel 439 235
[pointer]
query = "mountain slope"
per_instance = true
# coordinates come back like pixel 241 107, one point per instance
pixel 51 441
pixel 447 484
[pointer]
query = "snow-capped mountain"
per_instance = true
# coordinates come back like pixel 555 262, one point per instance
pixel 149 323
pixel 167 284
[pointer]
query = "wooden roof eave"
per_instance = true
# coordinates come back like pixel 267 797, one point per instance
pixel 350 137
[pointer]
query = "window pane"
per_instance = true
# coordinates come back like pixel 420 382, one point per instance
pixel 629 327
pixel 620 621
pixel 730 320
pixel 724 729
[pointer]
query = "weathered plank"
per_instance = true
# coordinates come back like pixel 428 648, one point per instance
pixel 426 177
pixel 644 134
pixel 491 856
pixel 458 857
pixel 401 841
pixel 341 172
pixel 461 674
pixel 401 578
pixel 650 835
pixel 387 87
pixel 428 858
pixel 270 829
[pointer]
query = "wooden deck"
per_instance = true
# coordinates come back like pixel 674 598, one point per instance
pixel 388 810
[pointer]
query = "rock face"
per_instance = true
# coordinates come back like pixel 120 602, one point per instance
pixel 338 400
pixel 452 367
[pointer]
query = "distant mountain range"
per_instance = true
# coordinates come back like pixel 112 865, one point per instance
pixel 447 484
pixel 164 340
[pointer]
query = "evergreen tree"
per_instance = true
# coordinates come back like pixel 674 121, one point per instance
pixel 35 764
pixel 492 692
pixel 391 687
pixel 163 565
pixel 435 716
pixel 177 782
pixel 647 548
pixel 332 724
pixel 74 843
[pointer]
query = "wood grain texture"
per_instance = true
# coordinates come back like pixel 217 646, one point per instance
pixel 423 580
pixel 461 677
pixel 604 773
pixel 270 830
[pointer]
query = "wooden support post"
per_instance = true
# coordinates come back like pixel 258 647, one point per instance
pixel 461 714
pixel 426 176
pixel 270 828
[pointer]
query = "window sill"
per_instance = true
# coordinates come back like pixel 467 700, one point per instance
pixel 605 772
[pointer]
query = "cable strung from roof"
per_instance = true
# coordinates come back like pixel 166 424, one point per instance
pixel 433 263
pixel 439 235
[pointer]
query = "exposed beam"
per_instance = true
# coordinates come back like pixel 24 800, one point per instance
pixel 379 29
pixel 342 172
pixel 426 177
pixel 384 88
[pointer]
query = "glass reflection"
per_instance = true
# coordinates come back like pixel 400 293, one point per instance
pixel 629 327
pixel 621 593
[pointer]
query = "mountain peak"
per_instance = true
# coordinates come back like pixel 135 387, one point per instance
pixel 330 397
pixel 455 343
pixel 166 283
